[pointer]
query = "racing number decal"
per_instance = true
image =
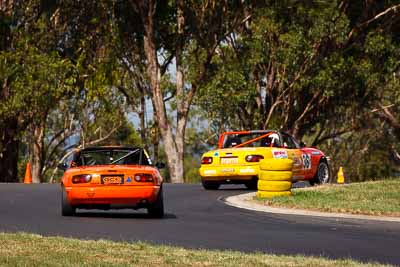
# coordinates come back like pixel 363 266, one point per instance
pixel 306 161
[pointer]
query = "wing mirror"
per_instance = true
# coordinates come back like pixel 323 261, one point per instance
pixel 160 165
pixel 302 144
pixel 63 166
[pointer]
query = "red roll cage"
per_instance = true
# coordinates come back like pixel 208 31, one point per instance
pixel 266 134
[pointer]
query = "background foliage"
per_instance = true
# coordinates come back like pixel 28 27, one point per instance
pixel 74 74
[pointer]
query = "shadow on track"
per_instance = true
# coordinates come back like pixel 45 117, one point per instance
pixel 120 215
pixel 231 187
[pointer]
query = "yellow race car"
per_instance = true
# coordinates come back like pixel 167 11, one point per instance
pixel 237 159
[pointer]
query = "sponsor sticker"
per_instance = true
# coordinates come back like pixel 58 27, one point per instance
pixel 315 153
pixel 279 154
pixel 210 172
pixel 306 161
pixel 246 171
pixel 129 179
pixel 216 154
pixel 228 170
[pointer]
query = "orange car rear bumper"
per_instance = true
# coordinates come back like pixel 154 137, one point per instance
pixel 126 195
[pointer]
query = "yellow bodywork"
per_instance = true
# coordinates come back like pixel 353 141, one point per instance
pixel 231 164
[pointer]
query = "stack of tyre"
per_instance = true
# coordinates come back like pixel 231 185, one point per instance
pixel 275 178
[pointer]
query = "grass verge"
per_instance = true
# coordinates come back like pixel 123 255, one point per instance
pixel 22 249
pixel 369 198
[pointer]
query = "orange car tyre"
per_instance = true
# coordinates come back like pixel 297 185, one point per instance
pixel 266 194
pixel 275 175
pixel 274 186
pixel 156 210
pixel 66 208
pixel 276 164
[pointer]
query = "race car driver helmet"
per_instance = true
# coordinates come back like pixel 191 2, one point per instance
pixel 274 139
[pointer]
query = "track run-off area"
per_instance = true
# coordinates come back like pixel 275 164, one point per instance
pixel 196 218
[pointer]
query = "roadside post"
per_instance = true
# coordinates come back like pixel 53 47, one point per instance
pixel 340 176
pixel 28 174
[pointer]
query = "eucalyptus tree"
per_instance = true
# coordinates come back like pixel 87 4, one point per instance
pixel 282 69
pixel 33 78
pixel 311 68
pixel 51 51
pixel 194 30
pixel 96 111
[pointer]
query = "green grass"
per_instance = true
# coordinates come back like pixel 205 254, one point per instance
pixel 369 198
pixel 33 250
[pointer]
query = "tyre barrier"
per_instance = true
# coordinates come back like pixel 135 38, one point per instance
pixel 274 186
pixel 266 194
pixel 276 164
pixel 275 175
pixel 275 178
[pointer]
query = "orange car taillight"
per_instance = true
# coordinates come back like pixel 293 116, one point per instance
pixel 82 178
pixel 254 158
pixel 206 160
pixel 144 177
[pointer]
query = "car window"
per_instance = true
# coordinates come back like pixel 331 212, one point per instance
pixel 110 157
pixel 288 141
pixel 270 141
pixel 232 141
pixel 237 139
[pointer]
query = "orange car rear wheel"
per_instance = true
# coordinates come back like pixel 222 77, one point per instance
pixel 66 208
pixel 156 210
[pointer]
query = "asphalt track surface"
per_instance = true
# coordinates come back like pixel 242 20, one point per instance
pixel 199 219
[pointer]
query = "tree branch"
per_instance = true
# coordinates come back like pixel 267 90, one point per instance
pixel 271 111
pixel 332 135
pixel 366 23
pixel 80 146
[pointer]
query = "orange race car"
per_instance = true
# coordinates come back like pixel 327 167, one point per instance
pixel 238 157
pixel 111 178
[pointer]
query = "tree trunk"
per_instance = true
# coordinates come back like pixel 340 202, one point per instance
pixel 142 115
pixel 9 152
pixel 182 109
pixel 37 146
pixel 175 166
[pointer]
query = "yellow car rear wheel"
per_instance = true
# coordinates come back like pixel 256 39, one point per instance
pixel 210 185
pixel 275 175
pixel 274 186
pixel 252 185
pixel 276 164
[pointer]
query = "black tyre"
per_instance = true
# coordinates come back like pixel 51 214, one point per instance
pixel 323 175
pixel 210 185
pixel 252 185
pixel 66 208
pixel 156 210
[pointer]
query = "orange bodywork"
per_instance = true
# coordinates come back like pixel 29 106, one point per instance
pixel 111 178
pixel 128 192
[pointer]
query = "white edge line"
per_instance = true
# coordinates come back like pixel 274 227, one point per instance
pixel 243 201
